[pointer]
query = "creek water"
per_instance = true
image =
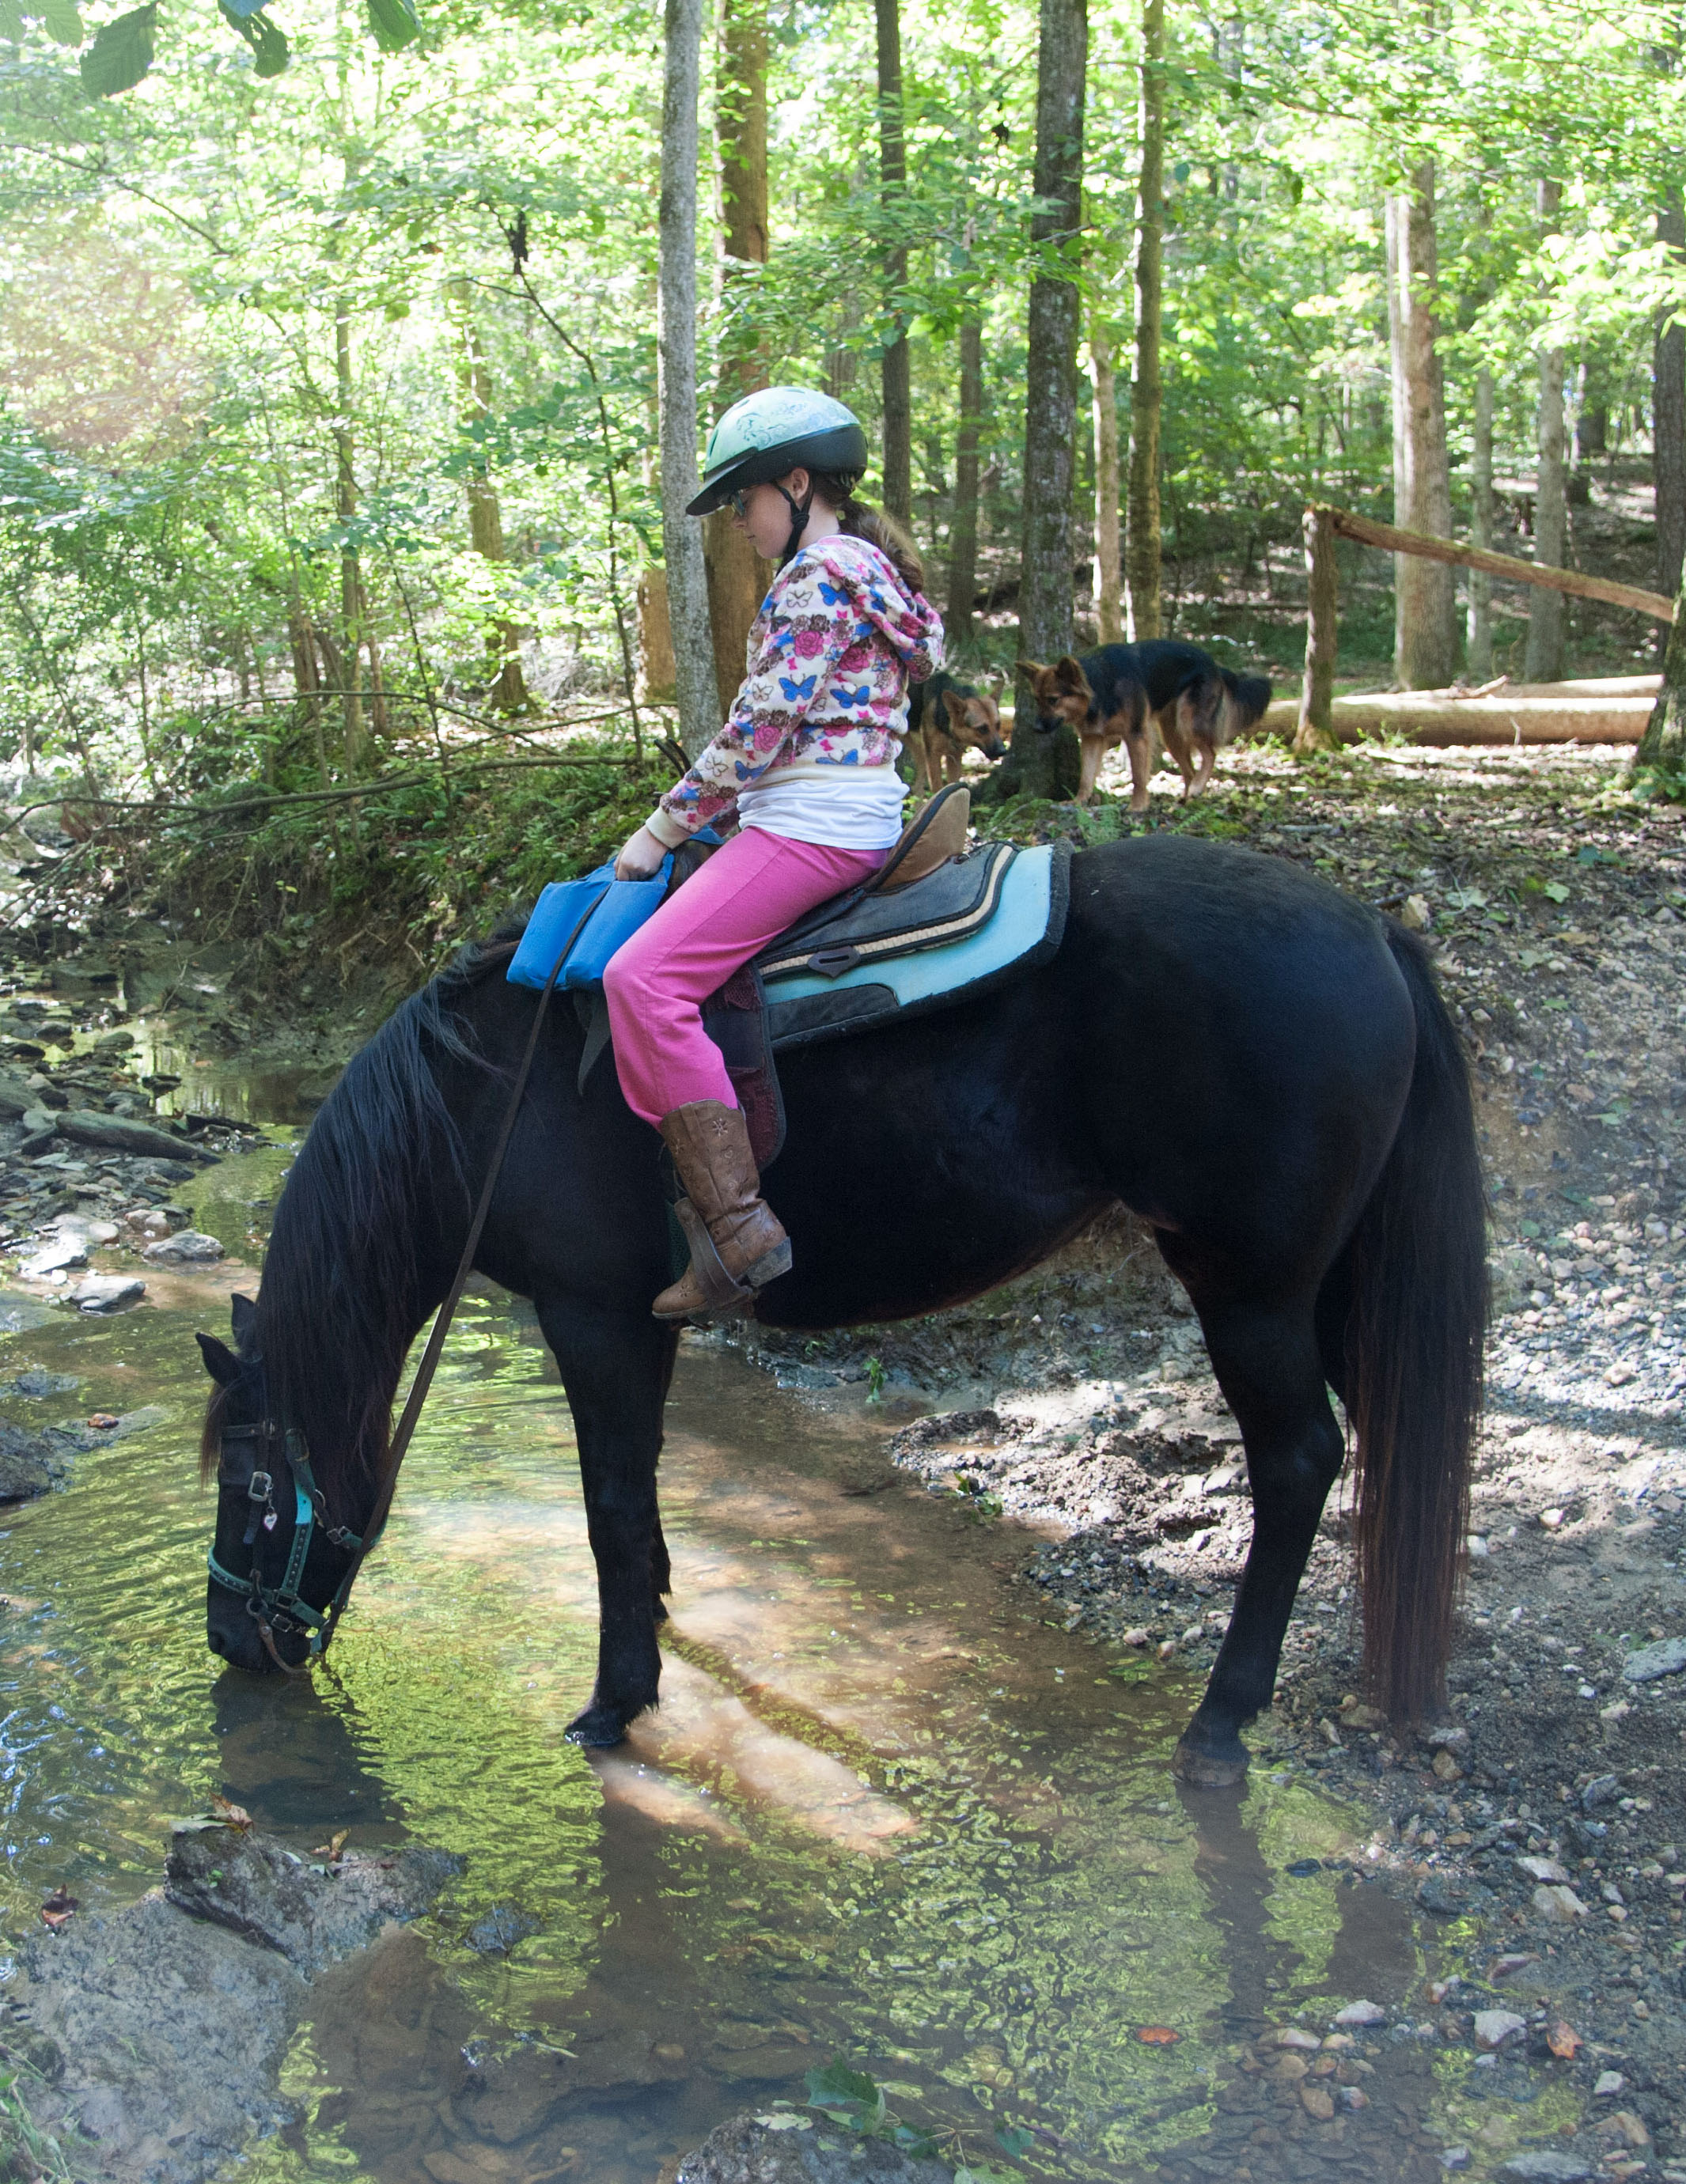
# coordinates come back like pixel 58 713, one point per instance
pixel 885 1815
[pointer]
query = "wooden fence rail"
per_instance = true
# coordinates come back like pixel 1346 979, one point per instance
pixel 1323 526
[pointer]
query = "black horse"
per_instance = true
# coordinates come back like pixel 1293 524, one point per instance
pixel 1262 1069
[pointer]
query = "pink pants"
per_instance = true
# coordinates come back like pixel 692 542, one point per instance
pixel 743 896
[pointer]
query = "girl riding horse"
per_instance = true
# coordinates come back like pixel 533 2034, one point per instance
pixel 806 764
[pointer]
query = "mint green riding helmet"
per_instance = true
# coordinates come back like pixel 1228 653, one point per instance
pixel 772 431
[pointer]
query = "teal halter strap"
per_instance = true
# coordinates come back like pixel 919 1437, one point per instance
pixel 268 1604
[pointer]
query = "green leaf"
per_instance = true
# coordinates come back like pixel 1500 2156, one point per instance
pixel 120 54
pixel 1012 2138
pixel 846 2096
pixel 64 23
pixel 394 24
pixel 267 40
pixel 1555 890
pixel 11 22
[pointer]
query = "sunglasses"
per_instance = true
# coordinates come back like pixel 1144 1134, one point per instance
pixel 739 503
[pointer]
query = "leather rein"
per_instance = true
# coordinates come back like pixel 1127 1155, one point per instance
pixel 272 1605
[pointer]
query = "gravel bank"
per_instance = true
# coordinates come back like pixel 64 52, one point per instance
pixel 1536 1829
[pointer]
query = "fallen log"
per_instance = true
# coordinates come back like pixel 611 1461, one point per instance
pixel 1594 711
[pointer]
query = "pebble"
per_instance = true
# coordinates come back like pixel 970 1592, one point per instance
pixel 1294 2035
pixel 188 1247
pixel 1442 1897
pixel 1667 1658
pixel 1317 2102
pixel 1545 2165
pixel 1560 1905
pixel 1543 1868
pixel 1361 2012
pixel 1609 2083
pixel 107 1292
pixel 1494 2027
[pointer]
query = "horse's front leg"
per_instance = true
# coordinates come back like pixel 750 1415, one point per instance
pixel 615 1367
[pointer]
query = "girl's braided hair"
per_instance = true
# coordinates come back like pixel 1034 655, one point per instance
pixel 836 488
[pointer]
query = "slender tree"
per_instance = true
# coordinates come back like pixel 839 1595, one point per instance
pixel 1668 411
pixel 737 576
pixel 1141 553
pixel 686 577
pixel 1425 598
pixel 963 536
pixel 1478 634
pixel 897 371
pixel 485 511
pixel 1108 578
pixel 1044 765
pixel 1545 655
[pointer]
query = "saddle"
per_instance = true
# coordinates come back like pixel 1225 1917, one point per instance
pixel 937 924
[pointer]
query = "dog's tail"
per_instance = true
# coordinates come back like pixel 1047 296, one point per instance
pixel 1246 697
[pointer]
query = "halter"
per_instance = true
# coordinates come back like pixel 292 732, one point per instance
pixel 280 1607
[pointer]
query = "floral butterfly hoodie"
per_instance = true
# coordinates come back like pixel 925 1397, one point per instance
pixel 838 639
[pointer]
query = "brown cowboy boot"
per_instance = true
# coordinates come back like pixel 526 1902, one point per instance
pixel 737 1243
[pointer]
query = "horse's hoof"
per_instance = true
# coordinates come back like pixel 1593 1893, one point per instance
pixel 1207 1770
pixel 598 1729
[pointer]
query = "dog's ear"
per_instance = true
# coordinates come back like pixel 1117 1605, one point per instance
pixel 995 680
pixel 1071 677
pixel 956 707
pixel 1034 669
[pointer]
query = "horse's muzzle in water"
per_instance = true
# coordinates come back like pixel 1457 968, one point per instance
pixel 265 1470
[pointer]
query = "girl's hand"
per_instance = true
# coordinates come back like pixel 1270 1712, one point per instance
pixel 641 857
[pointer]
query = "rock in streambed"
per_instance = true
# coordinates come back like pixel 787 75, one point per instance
pixel 785 2148
pixel 157 2033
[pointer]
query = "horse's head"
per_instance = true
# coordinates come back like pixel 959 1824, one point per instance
pixel 280 1566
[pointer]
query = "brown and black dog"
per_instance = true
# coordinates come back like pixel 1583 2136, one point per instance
pixel 1122 693
pixel 944 719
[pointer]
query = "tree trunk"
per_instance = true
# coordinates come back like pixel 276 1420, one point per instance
pixel 508 690
pixel 1424 595
pixel 737 576
pixel 1142 553
pixel 1478 639
pixel 897 381
pixel 1316 728
pixel 1668 413
pixel 1662 748
pixel 963 536
pixel 1544 655
pixel 350 581
pixel 1108 579
pixel 684 574
pixel 1048 554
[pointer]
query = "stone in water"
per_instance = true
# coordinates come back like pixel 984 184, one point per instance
pixel 188 1247
pixel 106 1293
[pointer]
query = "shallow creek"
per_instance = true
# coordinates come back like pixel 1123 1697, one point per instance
pixel 885 1814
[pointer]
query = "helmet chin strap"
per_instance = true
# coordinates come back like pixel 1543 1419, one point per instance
pixel 799 510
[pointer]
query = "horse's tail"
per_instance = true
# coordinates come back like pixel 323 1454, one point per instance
pixel 1416 1327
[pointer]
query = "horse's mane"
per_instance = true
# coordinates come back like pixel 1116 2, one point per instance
pixel 339 1304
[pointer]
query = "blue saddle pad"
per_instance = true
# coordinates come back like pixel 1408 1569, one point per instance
pixel 617 908
pixel 847 977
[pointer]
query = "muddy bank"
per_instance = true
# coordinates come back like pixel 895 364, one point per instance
pixel 149 2043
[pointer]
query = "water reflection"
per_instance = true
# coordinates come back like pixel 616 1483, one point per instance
pixel 884 1812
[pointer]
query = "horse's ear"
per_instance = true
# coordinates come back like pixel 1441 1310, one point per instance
pixel 244 1313
pixel 220 1362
